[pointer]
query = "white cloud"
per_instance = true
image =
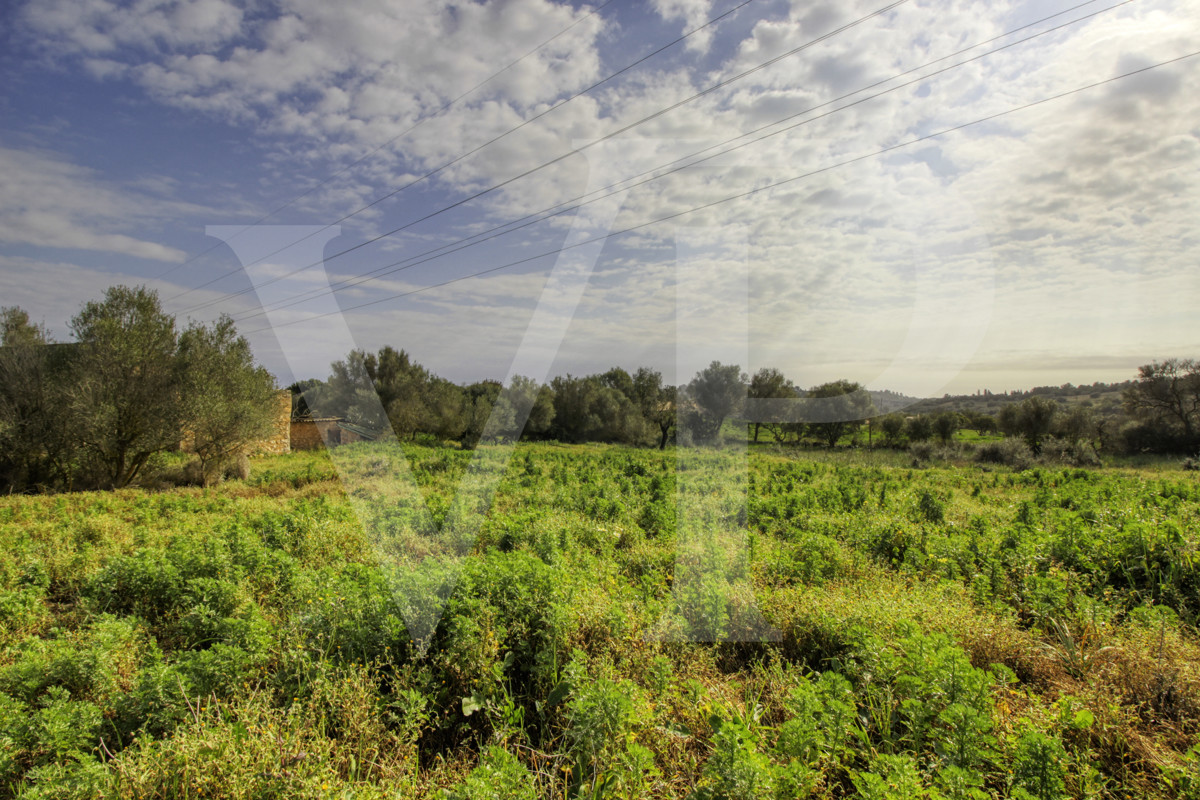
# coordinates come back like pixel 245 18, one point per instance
pixel 46 201
pixel 1074 201
pixel 367 69
pixel 693 14
pixel 98 27
pixel 54 291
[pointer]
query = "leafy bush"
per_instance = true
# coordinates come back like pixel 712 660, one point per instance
pixel 222 635
pixel 499 776
pixel 599 716
pixel 735 770
pixel 1039 767
pixel 95 662
pixel 921 451
pixel 891 777
pixel 1013 453
pixel 1073 453
pixel 930 507
pixel 823 721
pixel 56 729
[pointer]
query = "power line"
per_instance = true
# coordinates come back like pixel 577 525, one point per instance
pixel 534 218
pixel 521 223
pixel 553 161
pixel 471 152
pixel 738 196
pixel 391 141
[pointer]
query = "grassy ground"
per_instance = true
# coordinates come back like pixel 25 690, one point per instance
pixel 886 631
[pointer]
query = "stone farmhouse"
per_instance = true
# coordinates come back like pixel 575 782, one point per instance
pixel 305 432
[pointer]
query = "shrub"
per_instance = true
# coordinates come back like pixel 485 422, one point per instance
pixel 71 780
pixel 499 776
pixel 823 720
pixel 56 729
pixel 1010 452
pixel 22 612
pixel 930 507
pixel 1039 767
pixel 156 703
pixel 891 777
pixel 921 451
pixel 94 663
pixel 1062 451
pixel 955 451
pixel 599 714
pixel 237 468
pixel 171 475
pixel 1153 436
pixel 735 770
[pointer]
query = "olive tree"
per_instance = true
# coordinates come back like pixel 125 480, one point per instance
pixel 1032 419
pixel 657 402
pixel 1168 391
pixel 350 393
pixel 945 425
pixel 95 411
pixel 892 426
pixel 125 393
pixel 523 407
pixel 478 400
pixel 717 391
pixel 918 428
pixel 848 405
pixel 445 410
pixel 228 402
pixel 593 409
pixel 772 384
pixel 36 445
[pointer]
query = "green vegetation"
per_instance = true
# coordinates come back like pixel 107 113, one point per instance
pixel 97 412
pixel 943 632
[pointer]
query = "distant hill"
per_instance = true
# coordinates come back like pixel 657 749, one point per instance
pixel 887 401
pixel 1104 398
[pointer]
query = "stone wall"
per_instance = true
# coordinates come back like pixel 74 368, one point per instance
pixel 349 437
pixel 280 440
pixel 308 434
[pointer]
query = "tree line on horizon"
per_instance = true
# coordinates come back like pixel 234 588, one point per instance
pixel 1159 411
pixel 389 388
pixel 98 411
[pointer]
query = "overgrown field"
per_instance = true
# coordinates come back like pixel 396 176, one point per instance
pixel 957 632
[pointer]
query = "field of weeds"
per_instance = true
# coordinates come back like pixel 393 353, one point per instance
pixel 882 631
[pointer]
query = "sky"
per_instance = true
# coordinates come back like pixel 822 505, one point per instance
pixel 929 196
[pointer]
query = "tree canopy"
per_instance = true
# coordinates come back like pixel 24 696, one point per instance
pixel 127 382
pixel 848 404
pixel 227 401
pixel 93 413
pixel 716 391
pixel 1168 392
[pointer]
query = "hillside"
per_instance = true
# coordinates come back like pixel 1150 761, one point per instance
pixel 1104 398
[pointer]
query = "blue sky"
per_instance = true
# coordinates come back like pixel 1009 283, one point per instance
pixel 1055 243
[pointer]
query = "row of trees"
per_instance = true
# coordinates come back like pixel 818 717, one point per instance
pixel 389 388
pixel 1162 408
pixel 93 412
pixel 1161 413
